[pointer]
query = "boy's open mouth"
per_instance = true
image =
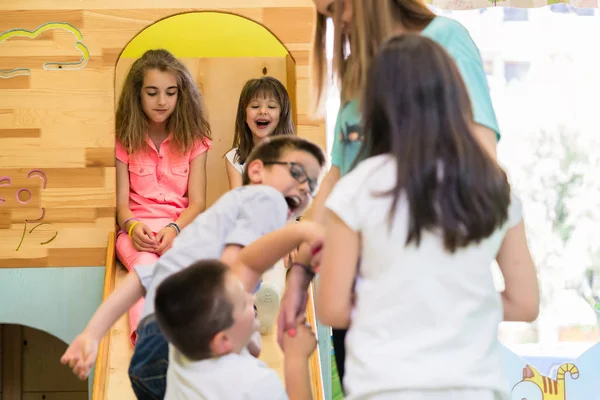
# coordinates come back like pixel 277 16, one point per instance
pixel 293 203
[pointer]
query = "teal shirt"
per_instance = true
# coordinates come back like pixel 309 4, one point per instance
pixel 458 43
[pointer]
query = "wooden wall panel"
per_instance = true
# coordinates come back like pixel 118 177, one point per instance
pixel 60 120
pixel 32 369
pixel 42 370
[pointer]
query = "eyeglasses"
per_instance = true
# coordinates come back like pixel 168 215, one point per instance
pixel 297 172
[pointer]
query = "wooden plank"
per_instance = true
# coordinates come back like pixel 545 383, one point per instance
pixel 42 370
pixel 1 358
pixel 144 4
pixel 69 258
pixel 32 19
pixel 55 178
pixel 118 385
pixel 20 133
pixel 100 373
pixel 289 24
pixel 55 396
pixel 17 82
pixel 290 66
pixel 316 373
pixel 99 157
pixel 12 362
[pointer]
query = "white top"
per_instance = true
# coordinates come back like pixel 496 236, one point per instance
pixel 233 376
pixel 231 157
pixel 423 318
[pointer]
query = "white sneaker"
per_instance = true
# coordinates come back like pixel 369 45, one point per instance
pixel 266 301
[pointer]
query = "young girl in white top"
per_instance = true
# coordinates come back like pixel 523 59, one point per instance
pixel 427 212
pixel 264 110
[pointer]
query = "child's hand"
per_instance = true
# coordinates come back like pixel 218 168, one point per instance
pixel 255 344
pixel 290 258
pixel 302 344
pixel 143 238
pixel 309 256
pixel 164 239
pixel 81 355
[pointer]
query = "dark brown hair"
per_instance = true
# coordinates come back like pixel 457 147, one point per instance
pixel 274 147
pixel 192 306
pixel 265 87
pixel 416 107
pixel 188 121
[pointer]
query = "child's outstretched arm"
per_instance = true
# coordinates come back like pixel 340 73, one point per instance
pixel 254 259
pixel 296 353
pixel 521 295
pixel 81 354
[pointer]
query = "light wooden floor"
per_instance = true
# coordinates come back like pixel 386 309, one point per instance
pixel 118 385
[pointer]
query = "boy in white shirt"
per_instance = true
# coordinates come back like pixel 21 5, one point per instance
pixel 208 318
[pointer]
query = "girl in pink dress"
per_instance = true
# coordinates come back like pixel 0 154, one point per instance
pixel 162 140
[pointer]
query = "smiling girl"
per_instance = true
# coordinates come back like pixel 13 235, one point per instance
pixel 264 110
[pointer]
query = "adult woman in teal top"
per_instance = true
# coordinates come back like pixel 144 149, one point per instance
pixel 364 25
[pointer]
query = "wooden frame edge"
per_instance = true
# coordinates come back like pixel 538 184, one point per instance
pixel 101 370
pixel 316 374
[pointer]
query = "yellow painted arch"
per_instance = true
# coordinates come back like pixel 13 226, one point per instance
pixel 206 34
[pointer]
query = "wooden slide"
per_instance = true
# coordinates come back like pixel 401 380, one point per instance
pixel 110 377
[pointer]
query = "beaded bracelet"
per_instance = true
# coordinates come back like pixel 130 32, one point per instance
pixel 174 226
pixel 309 271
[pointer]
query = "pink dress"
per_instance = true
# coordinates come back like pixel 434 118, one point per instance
pixel 158 185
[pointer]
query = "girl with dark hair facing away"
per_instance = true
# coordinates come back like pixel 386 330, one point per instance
pixel 360 28
pixel 427 211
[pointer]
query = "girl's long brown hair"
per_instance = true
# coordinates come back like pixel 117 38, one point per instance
pixel 267 87
pixel 374 21
pixel 188 121
pixel 416 107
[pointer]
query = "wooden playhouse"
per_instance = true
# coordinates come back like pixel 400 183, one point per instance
pixel 62 65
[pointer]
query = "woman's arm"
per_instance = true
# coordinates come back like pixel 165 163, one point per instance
pixel 196 191
pixel 487 139
pixel 333 301
pixel 233 175
pixel 317 210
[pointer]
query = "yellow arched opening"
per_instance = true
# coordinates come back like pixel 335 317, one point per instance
pixel 210 44
pixel 207 34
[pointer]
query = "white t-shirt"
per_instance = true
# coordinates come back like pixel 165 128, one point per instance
pixel 240 216
pixel 423 318
pixel 231 156
pixel 233 376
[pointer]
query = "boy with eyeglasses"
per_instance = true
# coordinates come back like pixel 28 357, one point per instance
pixel 280 178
